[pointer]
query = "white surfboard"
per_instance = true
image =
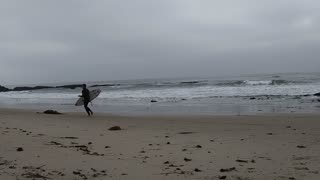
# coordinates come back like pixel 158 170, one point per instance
pixel 93 94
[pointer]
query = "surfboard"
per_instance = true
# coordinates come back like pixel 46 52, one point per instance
pixel 93 94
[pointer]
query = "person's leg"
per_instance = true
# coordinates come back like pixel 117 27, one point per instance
pixel 87 108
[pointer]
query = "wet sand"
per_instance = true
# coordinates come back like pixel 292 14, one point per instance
pixel 74 146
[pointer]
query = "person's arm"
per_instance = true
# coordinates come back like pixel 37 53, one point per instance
pixel 81 95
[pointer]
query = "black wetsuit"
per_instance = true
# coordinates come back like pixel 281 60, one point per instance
pixel 86 97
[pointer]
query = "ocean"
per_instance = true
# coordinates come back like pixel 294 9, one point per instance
pixel 232 95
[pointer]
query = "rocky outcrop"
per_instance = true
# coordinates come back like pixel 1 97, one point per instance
pixel 4 89
pixel 105 85
pixel 317 94
pixel 26 88
pixel 73 86
pixel 30 88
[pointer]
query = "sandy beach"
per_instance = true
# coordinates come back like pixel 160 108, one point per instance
pixel 74 146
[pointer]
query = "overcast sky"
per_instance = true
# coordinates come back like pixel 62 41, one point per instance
pixel 75 40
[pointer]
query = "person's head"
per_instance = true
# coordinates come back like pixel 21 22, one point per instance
pixel 84 86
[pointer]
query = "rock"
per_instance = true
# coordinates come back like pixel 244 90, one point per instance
pixel 153 101
pixel 115 128
pixel 105 85
pixel 317 94
pixel 107 147
pixel 197 170
pixel 51 112
pixel 72 86
pixel 301 147
pixel 252 98
pixel 228 169
pixel 26 88
pixel 168 143
pixel 199 146
pixel 4 89
pixel 19 149
pixel 222 177
pixel 190 82
pixel 167 162
pixel 187 160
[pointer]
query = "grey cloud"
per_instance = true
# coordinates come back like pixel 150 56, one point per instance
pixel 64 41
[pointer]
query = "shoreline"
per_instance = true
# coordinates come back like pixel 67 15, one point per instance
pixel 74 146
pixel 81 112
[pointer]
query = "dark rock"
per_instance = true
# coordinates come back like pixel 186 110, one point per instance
pixel 317 94
pixel 107 147
pixel 51 112
pixel 301 147
pixel 89 143
pixel 190 82
pixel 168 143
pixel 199 146
pixel 19 149
pixel 187 160
pixel 167 162
pixel 222 177
pixel 73 86
pixel 153 101
pixel 270 134
pixel 105 85
pixel 115 128
pixel 228 169
pixel 252 98
pixel 26 88
pixel 4 89
pixel 197 170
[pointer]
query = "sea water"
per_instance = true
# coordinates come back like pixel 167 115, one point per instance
pixel 246 94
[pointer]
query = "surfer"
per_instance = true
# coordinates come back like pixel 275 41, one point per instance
pixel 86 99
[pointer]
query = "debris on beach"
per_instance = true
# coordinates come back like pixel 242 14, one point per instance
pixel 185 132
pixel 115 128
pixel 242 161
pixel 19 149
pixel 228 169
pixel 51 112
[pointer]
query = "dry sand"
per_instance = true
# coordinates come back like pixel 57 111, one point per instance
pixel 73 146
